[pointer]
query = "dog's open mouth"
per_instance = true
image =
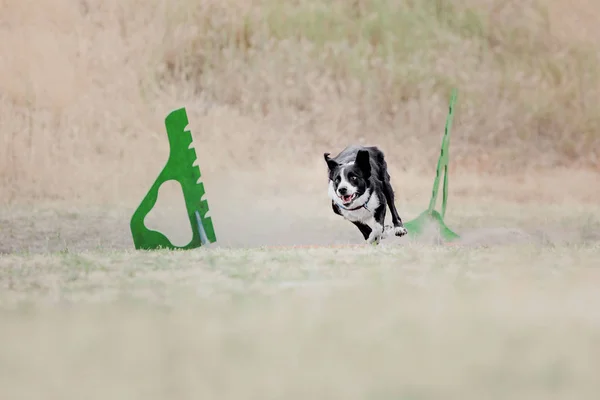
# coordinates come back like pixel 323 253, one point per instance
pixel 347 199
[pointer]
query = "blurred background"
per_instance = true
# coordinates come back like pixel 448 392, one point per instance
pixel 270 85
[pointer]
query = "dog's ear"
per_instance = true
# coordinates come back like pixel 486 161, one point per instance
pixel 330 163
pixel 362 161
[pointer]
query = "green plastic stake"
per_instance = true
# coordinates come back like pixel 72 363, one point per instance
pixel 418 225
pixel 180 168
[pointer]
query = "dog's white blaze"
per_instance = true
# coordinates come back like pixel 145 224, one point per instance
pixel 350 189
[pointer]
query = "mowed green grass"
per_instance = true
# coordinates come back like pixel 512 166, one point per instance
pixel 418 321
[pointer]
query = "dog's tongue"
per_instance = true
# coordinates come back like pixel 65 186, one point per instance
pixel 346 199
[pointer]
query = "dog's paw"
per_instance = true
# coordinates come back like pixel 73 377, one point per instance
pixel 374 240
pixel 375 236
pixel 400 231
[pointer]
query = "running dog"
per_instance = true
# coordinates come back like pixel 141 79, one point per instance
pixel 360 190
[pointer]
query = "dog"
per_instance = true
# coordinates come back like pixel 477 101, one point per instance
pixel 360 190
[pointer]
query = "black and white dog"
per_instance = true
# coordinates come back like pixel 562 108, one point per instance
pixel 360 190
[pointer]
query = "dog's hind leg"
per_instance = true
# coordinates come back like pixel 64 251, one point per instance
pixel 399 229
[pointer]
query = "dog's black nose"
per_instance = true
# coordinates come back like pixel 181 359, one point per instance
pixel 342 191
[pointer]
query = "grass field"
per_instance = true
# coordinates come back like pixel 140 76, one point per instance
pixel 418 322
pixel 507 312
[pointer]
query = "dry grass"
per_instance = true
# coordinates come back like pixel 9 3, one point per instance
pixel 84 89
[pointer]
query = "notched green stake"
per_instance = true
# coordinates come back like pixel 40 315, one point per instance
pixel 418 225
pixel 180 168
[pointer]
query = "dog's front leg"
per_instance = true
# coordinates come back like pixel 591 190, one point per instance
pixel 363 228
pixel 377 226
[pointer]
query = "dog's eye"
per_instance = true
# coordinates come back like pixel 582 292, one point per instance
pixel 353 178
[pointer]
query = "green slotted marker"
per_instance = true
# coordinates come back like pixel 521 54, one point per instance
pixel 180 168
pixel 417 226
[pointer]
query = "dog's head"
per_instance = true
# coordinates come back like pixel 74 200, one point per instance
pixel 349 181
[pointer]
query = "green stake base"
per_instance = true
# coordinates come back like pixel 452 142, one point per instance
pixel 419 225
pixel 430 216
pixel 180 168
